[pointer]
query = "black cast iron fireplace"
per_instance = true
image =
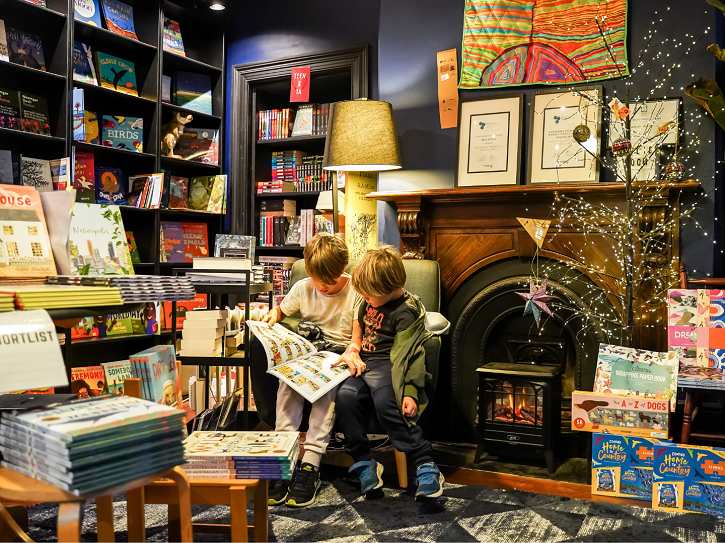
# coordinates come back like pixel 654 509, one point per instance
pixel 519 410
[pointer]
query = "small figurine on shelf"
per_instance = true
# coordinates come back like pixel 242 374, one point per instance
pixel 171 132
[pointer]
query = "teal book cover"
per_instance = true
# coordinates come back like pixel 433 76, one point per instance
pixel 116 73
pixel 193 91
pixel 88 12
pixel 123 133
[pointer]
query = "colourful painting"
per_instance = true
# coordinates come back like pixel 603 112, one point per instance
pixel 526 42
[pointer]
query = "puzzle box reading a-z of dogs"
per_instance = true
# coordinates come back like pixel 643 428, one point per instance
pixel 620 414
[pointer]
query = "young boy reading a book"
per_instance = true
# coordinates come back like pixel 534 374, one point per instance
pixel 388 338
pixel 327 303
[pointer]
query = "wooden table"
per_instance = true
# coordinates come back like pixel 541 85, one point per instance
pixel 231 492
pixel 17 488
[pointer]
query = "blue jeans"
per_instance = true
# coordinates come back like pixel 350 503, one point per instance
pixel 375 388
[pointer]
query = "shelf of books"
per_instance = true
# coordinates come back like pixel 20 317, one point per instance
pixel 292 193
pixel 88 89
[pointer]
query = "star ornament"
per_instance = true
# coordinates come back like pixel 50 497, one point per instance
pixel 536 300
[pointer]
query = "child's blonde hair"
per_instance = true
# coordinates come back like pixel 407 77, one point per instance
pixel 379 272
pixel 326 257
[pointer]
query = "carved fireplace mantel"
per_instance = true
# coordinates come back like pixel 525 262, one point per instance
pixel 467 229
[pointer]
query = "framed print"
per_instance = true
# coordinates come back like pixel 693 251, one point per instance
pixel 554 155
pixel 489 136
pixel 645 122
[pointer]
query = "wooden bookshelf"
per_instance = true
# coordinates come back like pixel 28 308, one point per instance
pixel 203 34
pixel 260 86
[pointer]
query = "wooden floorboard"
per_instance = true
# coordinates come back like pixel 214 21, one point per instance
pixel 504 481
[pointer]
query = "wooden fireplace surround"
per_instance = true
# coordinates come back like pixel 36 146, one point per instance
pixel 466 229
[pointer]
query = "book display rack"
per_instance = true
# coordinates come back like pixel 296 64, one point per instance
pixel 58 27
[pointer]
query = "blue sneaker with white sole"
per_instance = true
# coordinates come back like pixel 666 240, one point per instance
pixel 370 474
pixel 430 481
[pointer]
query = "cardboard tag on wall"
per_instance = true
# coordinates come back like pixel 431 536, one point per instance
pixel 448 88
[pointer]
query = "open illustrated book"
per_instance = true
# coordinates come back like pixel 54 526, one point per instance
pixel 297 362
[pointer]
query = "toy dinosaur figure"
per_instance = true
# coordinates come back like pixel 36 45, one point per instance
pixel 171 132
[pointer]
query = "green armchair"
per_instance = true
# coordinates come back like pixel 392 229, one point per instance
pixel 423 280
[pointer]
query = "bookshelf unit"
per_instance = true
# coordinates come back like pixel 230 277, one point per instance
pixel 202 32
pixel 259 86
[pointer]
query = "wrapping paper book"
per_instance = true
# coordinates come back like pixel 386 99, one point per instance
pixel 296 362
pixel 636 372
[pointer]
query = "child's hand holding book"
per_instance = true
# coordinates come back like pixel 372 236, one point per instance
pixel 353 362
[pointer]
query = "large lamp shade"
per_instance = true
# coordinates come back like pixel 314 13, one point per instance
pixel 361 137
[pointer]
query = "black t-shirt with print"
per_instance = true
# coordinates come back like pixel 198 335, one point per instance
pixel 380 324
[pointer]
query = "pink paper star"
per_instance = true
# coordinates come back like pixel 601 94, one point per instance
pixel 536 300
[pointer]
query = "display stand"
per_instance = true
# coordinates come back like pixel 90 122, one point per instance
pixel 244 289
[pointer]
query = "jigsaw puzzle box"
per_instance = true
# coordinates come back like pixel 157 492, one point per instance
pixel 689 478
pixel 622 466
pixel 619 414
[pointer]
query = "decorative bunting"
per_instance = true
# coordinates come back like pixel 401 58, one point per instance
pixel 536 228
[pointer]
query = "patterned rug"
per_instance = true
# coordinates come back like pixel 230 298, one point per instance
pixel 464 513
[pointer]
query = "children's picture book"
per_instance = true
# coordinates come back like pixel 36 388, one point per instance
pixel 119 18
pixel 10 116
pixel 116 73
pixel 196 240
pixel 87 381
pixel 84 178
pixel 225 446
pixel 297 363
pixel 123 133
pixel 178 192
pixel 36 174
pixel 208 193
pixel 173 241
pixel 199 145
pixel 234 246
pixel 6 168
pixel 25 250
pixel 4 56
pixel 93 134
pixel 77 114
pixel 193 91
pixel 110 186
pixel 59 171
pixel 83 68
pixel 182 308
pixel 34 114
pixel 132 248
pixel 636 372
pixel 98 243
pixel 25 49
pixel 172 37
pixel 88 12
pixel 116 374
pixel 157 366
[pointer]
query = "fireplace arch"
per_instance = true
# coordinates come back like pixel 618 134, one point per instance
pixel 488 325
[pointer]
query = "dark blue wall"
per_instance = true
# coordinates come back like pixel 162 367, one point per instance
pixel 405 35
pixel 273 29
pixel 411 32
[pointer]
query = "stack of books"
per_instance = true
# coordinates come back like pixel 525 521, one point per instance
pixel 285 164
pixel 134 288
pixel 7 301
pixel 62 296
pixel 230 270
pixel 156 367
pixel 203 332
pixel 85 445
pixel 241 455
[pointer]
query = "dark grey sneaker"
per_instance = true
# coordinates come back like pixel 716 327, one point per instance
pixel 305 486
pixel 278 491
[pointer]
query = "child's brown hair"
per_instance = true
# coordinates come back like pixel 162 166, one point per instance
pixel 379 272
pixel 326 257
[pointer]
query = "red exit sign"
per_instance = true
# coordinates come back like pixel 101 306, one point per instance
pixel 300 90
